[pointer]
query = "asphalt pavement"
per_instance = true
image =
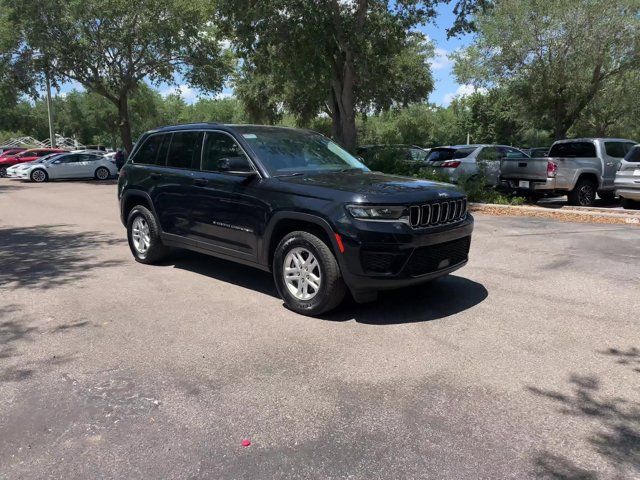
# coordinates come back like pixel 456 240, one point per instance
pixel 523 364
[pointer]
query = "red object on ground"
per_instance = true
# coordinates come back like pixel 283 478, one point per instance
pixel 246 442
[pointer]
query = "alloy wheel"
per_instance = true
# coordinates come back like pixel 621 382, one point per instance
pixel 587 195
pixel 38 176
pixel 140 235
pixel 302 275
pixel 102 174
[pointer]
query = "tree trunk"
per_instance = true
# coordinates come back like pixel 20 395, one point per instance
pixel 124 123
pixel 343 113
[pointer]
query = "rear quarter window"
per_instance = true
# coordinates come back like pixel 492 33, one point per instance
pixel 573 149
pixel 633 155
pixel 617 149
pixel 147 154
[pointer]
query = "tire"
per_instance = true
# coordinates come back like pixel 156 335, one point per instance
pixel 3 172
pixel 584 193
pixel 38 175
pixel 153 250
pixel 102 173
pixel 630 204
pixel 607 195
pixel 331 288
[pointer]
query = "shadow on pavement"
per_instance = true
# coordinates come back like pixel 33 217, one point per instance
pixel 47 256
pixel 616 437
pixel 434 300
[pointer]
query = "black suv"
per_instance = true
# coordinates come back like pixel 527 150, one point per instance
pixel 292 202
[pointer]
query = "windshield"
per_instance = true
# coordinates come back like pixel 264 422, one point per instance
pixel 442 154
pixel 284 151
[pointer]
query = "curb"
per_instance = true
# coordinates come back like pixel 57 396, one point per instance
pixel 586 215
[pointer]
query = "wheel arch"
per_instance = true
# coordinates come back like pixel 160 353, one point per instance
pixel 283 223
pixel 130 199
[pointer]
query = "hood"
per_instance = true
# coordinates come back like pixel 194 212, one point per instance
pixel 368 187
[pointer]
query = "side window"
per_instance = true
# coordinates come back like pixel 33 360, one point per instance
pixel 148 152
pixel 185 149
pixel 615 149
pixel 489 153
pixel 222 153
pixel 418 155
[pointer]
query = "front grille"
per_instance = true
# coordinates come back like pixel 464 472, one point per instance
pixel 437 213
pixel 437 257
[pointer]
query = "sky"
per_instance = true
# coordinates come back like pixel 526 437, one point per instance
pixel 446 87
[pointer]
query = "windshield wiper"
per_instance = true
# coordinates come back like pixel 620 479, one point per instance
pixel 294 174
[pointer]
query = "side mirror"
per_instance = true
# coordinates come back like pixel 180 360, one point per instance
pixel 235 165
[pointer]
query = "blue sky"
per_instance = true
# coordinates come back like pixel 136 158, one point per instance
pixel 446 86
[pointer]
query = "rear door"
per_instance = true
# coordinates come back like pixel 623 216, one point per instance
pixel 227 215
pixel 172 193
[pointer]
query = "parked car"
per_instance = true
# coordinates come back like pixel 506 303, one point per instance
pixel 7 151
pixel 387 158
pixel 13 172
pixel 460 161
pixel 292 202
pixel 627 181
pixel 577 168
pixel 24 157
pixel 69 165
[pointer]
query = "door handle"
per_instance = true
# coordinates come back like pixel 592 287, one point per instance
pixel 610 164
pixel 200 182
pixel 156 175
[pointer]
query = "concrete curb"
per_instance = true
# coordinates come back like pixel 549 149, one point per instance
pixel 581 215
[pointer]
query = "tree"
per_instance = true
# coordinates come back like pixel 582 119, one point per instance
pixel 554 56
pixel 329 56
pixel 111 46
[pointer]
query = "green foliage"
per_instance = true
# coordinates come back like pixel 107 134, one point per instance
pixel 554 57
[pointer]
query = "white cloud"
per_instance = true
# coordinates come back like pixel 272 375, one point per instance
pixel 440 60
pixel 188 94
pixel 462 91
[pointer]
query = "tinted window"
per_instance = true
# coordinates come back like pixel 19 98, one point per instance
pixel 148 152
pixel 418 155
pixel 218 146
pixel 491 153
pixel 573 149
pixel 185 149
pixel 442 154
pixel 633 155
pixel 616 149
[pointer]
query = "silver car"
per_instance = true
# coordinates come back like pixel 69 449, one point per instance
pixel 459 161
pixel 627 182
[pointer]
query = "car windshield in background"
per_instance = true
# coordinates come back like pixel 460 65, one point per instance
pixel 442 154
pixel 283 151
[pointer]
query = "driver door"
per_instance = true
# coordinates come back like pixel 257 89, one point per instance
pixel 66 166
pixel 228 215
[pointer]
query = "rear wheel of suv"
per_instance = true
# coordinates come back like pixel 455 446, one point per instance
pixel 144 236
pixel 307 274
pixel 584 193
pixel 38 175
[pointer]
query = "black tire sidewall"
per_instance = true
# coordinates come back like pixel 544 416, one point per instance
pixel 46 177
pixel 3 172
pixel 156 249
pixel 325 299
pixel 575 194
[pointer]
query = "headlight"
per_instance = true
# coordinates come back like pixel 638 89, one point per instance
pixel 366 212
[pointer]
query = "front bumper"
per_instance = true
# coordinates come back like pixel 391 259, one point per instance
pixel 383 256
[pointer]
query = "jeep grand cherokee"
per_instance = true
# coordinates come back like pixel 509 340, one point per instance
pixel 292 202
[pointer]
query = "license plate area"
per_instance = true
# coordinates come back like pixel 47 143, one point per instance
pixel 524 184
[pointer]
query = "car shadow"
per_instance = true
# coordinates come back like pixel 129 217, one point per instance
pixel 431 301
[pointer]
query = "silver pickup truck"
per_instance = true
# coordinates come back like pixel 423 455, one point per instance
pixel 577 168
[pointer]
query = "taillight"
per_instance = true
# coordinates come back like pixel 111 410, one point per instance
pixel 552 168
pixel 451 164
pixel 122 173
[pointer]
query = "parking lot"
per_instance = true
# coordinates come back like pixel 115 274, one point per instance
pixel 523 364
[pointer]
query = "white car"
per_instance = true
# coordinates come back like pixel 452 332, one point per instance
pixel 13 172
pixel 70 165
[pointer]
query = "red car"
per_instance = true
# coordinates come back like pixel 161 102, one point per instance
pixel 11 151
pixel 23 157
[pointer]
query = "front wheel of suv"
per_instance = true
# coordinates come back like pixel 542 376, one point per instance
pixel 307 274
pixel 143 234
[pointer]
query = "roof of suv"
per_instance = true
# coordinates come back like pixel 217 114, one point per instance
pixel 591 139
